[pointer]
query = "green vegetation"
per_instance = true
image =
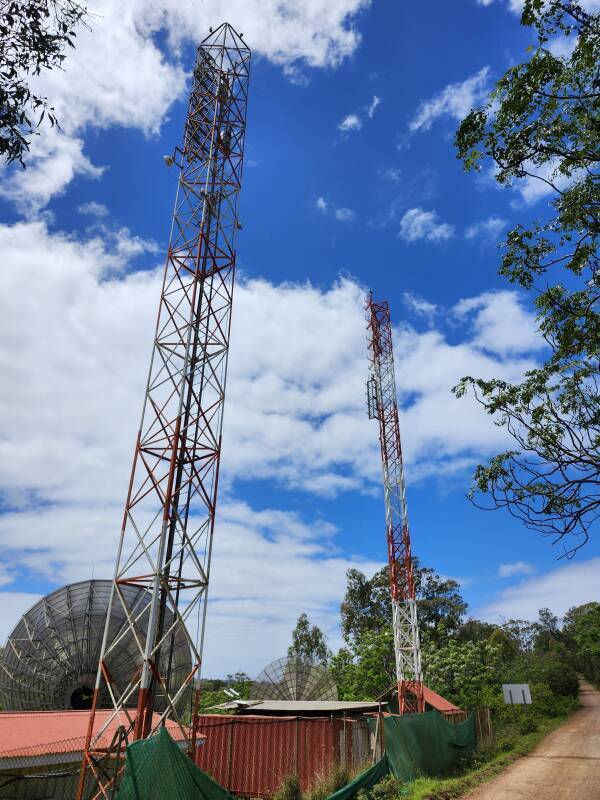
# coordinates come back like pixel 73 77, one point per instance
pixel 541 124
pixel 322 787
pixel 467 661
pixel 33 38
pixel 486 767
pixel 213 690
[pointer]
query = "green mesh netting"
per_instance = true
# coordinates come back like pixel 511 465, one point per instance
pixel 425 744
pixel 157 769
pixel 366 780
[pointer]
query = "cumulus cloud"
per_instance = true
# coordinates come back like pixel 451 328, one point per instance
pixel 488 230
pixel 321 204
pixel 295 416
pixel 501 324
pixel 560 589
pixel 344 214
pixel 455 100
pixel 352 122
pixel 418 224
pixel 543 180
pixel 515 568
pixel 118 75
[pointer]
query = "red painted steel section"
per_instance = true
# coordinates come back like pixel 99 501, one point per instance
pixel 252 755
pixel 384 407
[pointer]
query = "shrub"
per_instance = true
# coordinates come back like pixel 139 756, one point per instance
pixel 290 789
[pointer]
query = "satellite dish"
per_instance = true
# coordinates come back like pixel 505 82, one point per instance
pixel 50 659
pixel 294 679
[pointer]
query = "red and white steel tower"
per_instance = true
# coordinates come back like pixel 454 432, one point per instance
pixel 167 531
pixel 382 405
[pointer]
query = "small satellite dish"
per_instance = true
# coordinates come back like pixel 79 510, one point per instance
pixel 294 679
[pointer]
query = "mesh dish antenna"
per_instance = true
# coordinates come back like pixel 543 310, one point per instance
pixel 50 659
pixel 294 679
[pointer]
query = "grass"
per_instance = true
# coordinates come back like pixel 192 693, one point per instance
pixel 449 788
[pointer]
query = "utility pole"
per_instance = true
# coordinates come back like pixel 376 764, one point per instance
pixel 168 523
pixel 382 405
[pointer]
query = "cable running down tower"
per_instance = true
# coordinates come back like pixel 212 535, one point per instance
pixel 167 530
pixel 382 405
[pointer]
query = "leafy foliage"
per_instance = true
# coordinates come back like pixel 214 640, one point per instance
pixel 309 643
pixel 33 37
pixel 541 124
pixel 581 632
pixel 367 605
pixel 213 691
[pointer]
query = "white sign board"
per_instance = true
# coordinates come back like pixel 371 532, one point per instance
pixel 516 693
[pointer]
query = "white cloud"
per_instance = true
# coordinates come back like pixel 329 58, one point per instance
pixel 117 75
pixel 420 306
pixel 567 586
pixel 515 568
pixel 295 416
pixel 55 159
pixel 541 181
pixel 93 209
pixel 373 105
pixel 562 46
pixel 14 605
pixel 352 122
pixel 419 224
pixel 344 214
pixel 488 229
pixel 455 100
pixel 321 204
pixel 500 322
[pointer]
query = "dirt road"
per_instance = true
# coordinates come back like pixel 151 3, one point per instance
pixel 564 766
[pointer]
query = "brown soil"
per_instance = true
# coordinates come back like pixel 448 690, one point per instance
pixel 564 766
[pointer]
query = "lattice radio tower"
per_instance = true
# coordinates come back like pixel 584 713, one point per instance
pixel 383 405
pixel 167 531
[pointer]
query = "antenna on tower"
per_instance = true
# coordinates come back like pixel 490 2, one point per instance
pixel 382 405
pixel 167 531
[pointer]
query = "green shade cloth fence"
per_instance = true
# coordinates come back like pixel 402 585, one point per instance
pixel 366 780
pixel 425 744
pixel 157 769
pixel 416 744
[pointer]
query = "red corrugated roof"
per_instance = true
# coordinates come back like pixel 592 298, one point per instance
pixel 24 733
pixel 432 698
pixel 438 702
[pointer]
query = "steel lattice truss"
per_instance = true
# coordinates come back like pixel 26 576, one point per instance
pixel 167 530
pixel 383 405
pixel 294 679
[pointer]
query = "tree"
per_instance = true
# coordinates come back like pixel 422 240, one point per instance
pixel 309 643
pixel 541 123
pixel 367 605
pixel 368 669
pixel 581 630
pixel 460 671
pixel 33 37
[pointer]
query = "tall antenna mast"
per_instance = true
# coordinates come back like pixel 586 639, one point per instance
pixel 382 405
pixel 168 523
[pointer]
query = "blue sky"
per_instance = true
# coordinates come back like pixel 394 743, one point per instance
pixel 351 183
